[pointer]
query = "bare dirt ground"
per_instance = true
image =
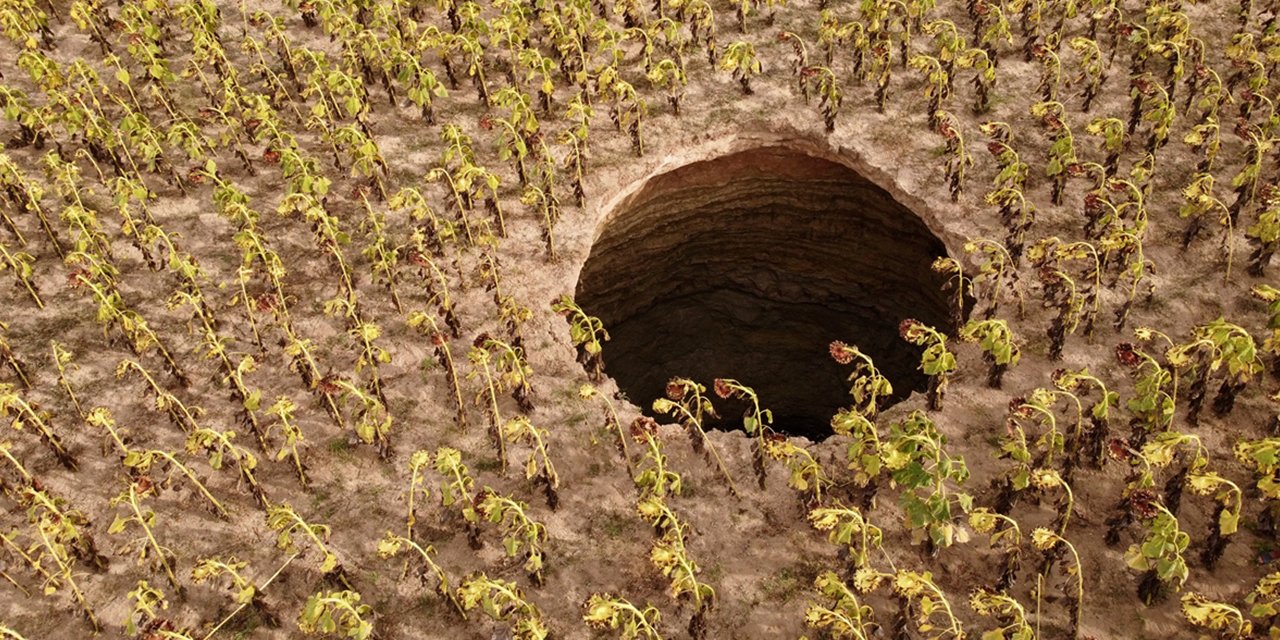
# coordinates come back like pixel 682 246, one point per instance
pixel 757 550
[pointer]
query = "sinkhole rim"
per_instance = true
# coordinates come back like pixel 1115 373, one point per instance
pixel 796 158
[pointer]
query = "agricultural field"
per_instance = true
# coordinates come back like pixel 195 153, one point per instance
pixel 646 319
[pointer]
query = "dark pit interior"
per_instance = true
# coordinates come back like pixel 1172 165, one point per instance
pixel 747 266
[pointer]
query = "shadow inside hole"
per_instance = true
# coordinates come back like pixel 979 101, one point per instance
pixel 748 266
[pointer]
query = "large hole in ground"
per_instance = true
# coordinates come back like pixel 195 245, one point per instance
pixel 747 266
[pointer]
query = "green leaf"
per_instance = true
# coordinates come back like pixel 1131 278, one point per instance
pixel 1134 558
pixel 912 475
pixel 1228 522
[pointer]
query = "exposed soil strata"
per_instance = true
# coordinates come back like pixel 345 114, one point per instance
pixel 747 266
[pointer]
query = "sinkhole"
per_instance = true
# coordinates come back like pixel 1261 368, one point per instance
pixel 747 266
